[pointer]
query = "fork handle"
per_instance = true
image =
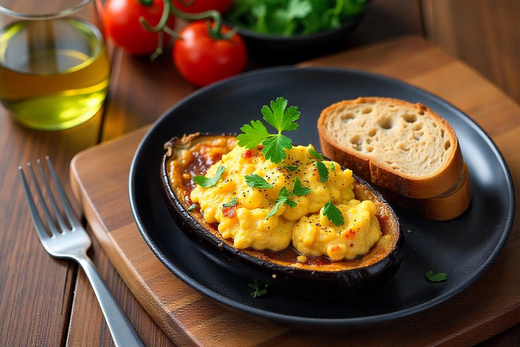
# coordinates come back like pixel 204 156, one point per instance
pixel 123 333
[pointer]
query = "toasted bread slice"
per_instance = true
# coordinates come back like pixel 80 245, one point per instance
pixel 403 147
pixel 446 206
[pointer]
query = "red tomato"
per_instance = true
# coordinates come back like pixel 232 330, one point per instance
pixel 202 60
pixel 198 6
pixel 121 23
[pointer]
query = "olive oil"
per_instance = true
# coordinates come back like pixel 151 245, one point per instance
pixel 53 74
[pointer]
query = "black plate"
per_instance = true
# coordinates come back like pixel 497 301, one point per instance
pixel 464 247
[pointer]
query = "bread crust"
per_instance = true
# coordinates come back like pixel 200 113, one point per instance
pixel 446 206
pixel 426 186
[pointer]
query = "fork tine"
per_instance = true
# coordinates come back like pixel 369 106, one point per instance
pixel 73 220
pixel 57 213
pixel 38 223
pixel 46 213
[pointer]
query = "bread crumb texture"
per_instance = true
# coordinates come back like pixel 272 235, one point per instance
pixel 408 138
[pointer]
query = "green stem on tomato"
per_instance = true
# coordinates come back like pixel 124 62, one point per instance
pixel 160 28
pixel 162 21
pixel 215 30
pixel 186 2
pixel 159 50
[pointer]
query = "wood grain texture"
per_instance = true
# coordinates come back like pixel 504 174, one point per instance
pixel 86 329
pixel 136 100
pixel 36 289
pixel 140 92
pixel 387 19
pixel 187 318
pixel 483 33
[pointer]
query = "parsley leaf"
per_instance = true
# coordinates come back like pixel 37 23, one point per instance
pixel 409 231
pixel 279 117
pixel 291 203
pixel 259 289
pixel 192 207
pixel 252 135
pixel 298 189
pixel 274 148
pixel 332 166
pixel 298 9
pixel 323 171
pixel 284 195
pixel 439 277
pixel 288 17
pixel 207 182
pixel 333 213
pixel 256 181
pixel 279 203
pixel 282 119
pixel 292 167
pixel 231 203
pixel 316 154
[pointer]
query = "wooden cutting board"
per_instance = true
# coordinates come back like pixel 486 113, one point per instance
pixel 99 178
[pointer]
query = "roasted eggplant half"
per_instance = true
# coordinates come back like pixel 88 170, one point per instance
pixel 284 270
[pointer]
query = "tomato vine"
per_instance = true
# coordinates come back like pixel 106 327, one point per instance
pixel 214 26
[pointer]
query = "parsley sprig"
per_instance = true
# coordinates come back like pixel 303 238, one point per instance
pixel 231 203
pixel 322 168
pixel 284 195
pixel 333 213
pixel 207 182
pixel 322 171
pixel 316 154
pixel 436 277
pixel 257 181
pixel 290 17
pixel 282 119
pixel 259 289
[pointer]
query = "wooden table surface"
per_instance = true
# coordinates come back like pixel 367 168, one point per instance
pixel 48 302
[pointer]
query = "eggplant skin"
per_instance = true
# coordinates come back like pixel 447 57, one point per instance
pixel 374 270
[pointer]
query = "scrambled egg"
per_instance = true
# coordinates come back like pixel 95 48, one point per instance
pixel 304 225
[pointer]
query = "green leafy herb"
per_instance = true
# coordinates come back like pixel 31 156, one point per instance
pixel 231 203
pixel 282 119
pixel 207 182
pixel 438 277
pixel 284 195
pixel 409 231
pixel 291 167
pixel 323 171
pixel 332 166
pixel 274 148
pixel 259 289
pixel 289 17
pixel 256 181
pixel 316 154
pixel 252 134
pixel 192 207
pixel 333 213
pixel 298 189
pixel 283 198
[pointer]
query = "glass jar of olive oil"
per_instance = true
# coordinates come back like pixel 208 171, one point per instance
pixel 54 70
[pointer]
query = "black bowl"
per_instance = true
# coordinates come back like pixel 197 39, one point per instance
pixel 276 49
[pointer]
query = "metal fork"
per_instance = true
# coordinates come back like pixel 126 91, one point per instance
pixel 62 241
